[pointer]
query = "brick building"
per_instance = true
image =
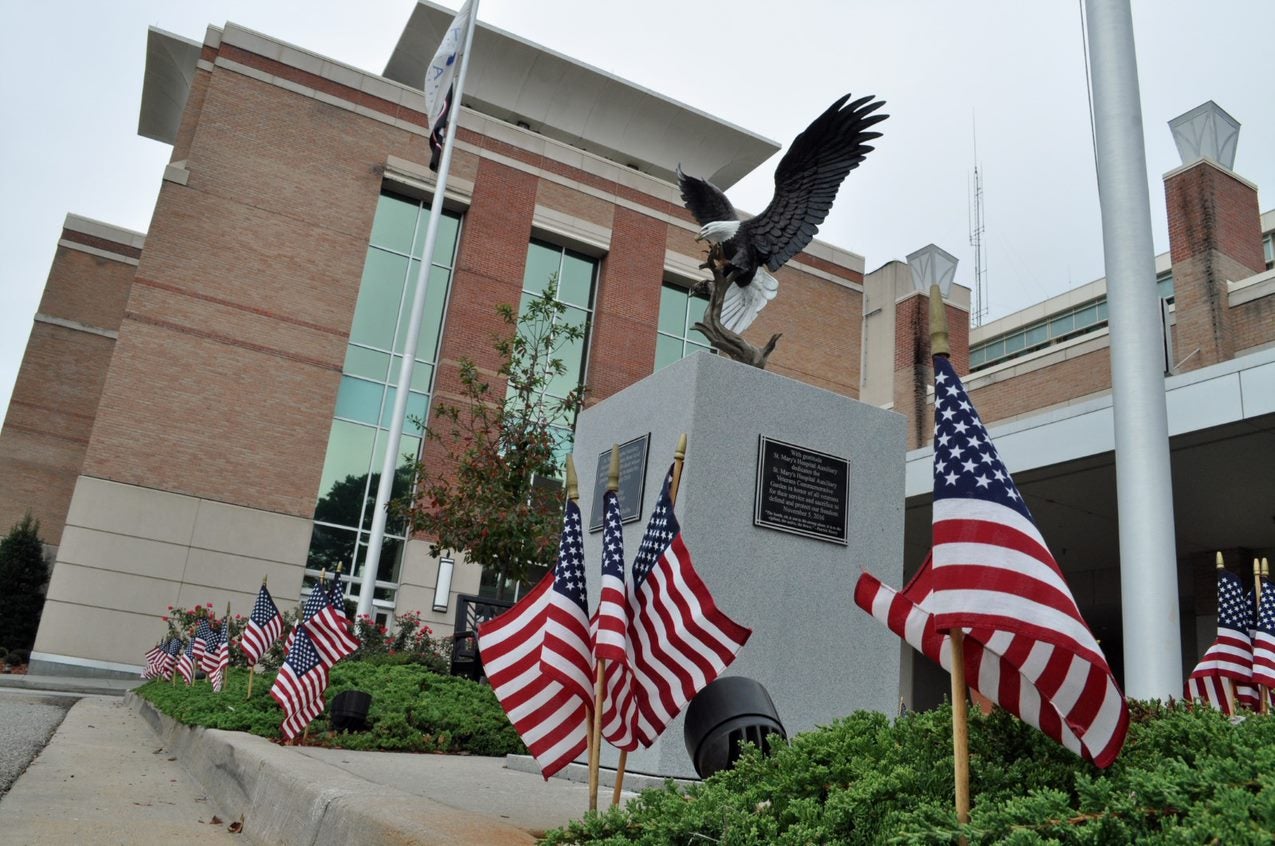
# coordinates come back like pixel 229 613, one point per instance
pixel 208 403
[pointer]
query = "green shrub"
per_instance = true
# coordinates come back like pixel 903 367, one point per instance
pixel 24 571
pixel 413 709
pixel 1186 775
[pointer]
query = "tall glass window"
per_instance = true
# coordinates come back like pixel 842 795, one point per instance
pixel 577 276
pixel 369 383
pixel 677 337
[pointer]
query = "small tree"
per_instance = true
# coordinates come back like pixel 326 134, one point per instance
pixel 488 495
pixel 23 574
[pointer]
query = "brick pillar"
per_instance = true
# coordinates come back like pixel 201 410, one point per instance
pixel 1215 235
pixel 622 349
pixel 913 371
pixel 489 268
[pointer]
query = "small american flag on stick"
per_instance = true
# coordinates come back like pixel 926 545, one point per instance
pixel 1230 657
pixel 299 686
pixel 265 624
pixel 537 657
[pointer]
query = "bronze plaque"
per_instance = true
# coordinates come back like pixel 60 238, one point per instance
pixel 802 491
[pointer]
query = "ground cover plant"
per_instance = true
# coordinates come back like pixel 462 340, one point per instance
pixel 1186 775
pixel 413 708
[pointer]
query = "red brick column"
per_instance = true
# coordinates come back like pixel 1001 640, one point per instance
pixel 1214 236
pixel 913 370
pixel 627 305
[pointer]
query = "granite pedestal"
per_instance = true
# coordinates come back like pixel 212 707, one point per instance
pixel 818 655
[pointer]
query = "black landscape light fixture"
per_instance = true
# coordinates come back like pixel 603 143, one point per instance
pixel 349 710
pixel 724 715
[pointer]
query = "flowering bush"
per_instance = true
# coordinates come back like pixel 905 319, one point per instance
pixel 183 621
pixel 411 641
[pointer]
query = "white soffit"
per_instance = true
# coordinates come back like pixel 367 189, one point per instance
pixel 517 81
pixel 170 69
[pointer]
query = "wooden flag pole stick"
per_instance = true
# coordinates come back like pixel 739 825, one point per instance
pixel 599 683
pixel 1262 707
pixel 679 458
pixel 960 727
pixel 1228 685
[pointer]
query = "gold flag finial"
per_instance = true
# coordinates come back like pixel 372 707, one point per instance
pixel 613 473
pixel 1221 565
pixel 573 483
pixel 680 453
pixel 264 579
pixel 939 344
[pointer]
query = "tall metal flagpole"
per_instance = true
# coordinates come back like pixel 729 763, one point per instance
pixel 376 537
pixel 1144 487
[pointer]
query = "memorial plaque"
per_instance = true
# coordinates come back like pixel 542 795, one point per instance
pixel 802 491
pixel 632 481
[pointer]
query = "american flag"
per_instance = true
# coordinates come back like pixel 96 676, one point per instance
pixel 186 664
pixel 203 644
pixel 265 624
pixel 679 640
pixel 314 602
pixel 169 660
pixel 1231 654
pixel 154 656
pixel 329 628
pixel 221 656
pixel 1264 639
pixel 611 632
pixel 1027 647
pixel 299 686
pixel 538 661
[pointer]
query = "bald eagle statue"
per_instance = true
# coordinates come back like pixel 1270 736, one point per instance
pixel 806 183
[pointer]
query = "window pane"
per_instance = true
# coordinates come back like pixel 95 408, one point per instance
pixel 394 223
pixel 1037 335
pixel 359 399
pixel 1061 325
pixel 345 470
pixel 330 548
pixel 367 363
pixel 1102 310
pixel 575 285
pixel 698 339
pixel 667 351
pixel 445 245
pixel 695 308
pixel 978 355
pixel 391 557
pixel 672 310
pixel 543 263
pixel 380 295
pixel 995 350
pixel 692 347
pixel 1165 286
pixel 1086 316
pixel 417 406
pixel 431 319
pixel 422 374
pixel 1015 342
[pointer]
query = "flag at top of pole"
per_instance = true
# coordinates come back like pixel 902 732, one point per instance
pixel 462 30
pixel 440 81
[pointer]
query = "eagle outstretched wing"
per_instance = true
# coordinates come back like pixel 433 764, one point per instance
pixel 705 201
pixel 806 181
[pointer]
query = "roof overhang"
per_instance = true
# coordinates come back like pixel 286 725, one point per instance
pixel 170 70
pixel 519 82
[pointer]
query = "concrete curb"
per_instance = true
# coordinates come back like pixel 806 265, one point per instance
pixel 634 783
pixel 70 684
pixel 290 799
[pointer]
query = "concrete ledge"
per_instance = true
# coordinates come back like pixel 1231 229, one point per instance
pixel 634 783
pixel 290 799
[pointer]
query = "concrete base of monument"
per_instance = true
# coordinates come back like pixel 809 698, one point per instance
pixel 830 496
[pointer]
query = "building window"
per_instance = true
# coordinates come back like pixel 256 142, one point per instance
pixel 1164 286
pixel 1268 249
pixel 577 276
pixel 679 312
pixel 369 383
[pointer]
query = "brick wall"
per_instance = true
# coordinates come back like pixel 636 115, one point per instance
pixel 55 398
pixel 913 371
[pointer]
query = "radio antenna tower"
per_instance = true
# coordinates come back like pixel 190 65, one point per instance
pixel 977 230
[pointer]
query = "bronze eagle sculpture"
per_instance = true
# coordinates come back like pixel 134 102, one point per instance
pixel 806 182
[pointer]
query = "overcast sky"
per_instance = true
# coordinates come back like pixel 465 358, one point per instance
pixel 71 83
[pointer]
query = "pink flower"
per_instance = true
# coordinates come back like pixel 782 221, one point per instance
pixel 170 608
pixel 210 605
pixel 165 619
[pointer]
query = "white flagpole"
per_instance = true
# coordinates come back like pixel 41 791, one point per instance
pixel 376 537
pixel 1144 486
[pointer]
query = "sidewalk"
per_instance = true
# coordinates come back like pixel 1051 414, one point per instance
pixel 70 684
pixel 119 772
